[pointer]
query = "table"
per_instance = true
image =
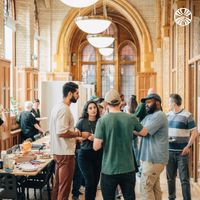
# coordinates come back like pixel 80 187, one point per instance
pixel 41 166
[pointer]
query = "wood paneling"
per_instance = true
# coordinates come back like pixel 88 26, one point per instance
pixel 5 101
pixel 27 85
pixel 145 80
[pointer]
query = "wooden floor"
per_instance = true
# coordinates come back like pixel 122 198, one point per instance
pixel 194 191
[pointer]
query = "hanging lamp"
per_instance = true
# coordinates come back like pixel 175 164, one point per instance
pixel 94 24
pixel 100 40
pixel 79 3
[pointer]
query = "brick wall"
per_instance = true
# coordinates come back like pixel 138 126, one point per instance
pixel 50 24
pixel 1 29
pixel 24 32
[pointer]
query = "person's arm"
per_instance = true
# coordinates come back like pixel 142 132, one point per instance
pixel 74 134
pixel 139 130
pixel 157 121
pixel 97 144
pixel 99 135
pixel 38 128
pixel 5 123
pixel 194 134
pixel 140 111
pixel 142 133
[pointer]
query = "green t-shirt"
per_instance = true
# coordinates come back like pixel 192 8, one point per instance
pixel 116 131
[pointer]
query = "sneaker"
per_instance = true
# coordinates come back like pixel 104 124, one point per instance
pixel 118 196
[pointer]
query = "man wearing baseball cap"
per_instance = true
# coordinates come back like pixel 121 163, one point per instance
pixel 154 149
pixel 114 132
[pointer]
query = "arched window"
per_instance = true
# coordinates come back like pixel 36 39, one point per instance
pixel 108 66
pixel 127 57
pixel 107 77
pixel 88 61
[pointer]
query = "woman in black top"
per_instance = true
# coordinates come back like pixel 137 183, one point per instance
pixel 88 159
pixel 35 110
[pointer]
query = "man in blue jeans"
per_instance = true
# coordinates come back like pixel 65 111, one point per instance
pixel 114 132
pixel 182 134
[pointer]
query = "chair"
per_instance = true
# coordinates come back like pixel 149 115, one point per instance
pixel 40 180
pixel 8 187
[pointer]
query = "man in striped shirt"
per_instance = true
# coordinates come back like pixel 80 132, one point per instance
pixel 182 134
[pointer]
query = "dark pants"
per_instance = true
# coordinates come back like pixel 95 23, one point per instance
pixel 90 164
pixel 78 177
pixel 125 181
pixel 177 161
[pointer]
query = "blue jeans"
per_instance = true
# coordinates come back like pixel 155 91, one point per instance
pixel 78 177
pixel 90 164
pixel 125 181
pixel 177 161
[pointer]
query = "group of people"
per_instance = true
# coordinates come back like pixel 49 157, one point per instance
pixel 28 120
pixel 106 145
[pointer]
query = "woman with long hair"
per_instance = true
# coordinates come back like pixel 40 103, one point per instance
pixel 88 159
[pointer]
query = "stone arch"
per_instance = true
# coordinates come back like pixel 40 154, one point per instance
pixel 63 54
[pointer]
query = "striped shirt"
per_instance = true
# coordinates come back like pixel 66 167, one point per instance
pixel 180 125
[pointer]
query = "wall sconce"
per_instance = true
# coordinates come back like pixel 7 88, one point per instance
pixel 34 57
pixel 73 58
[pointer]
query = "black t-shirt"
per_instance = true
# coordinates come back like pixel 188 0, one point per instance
pixel 27 122
pixel 89 126
pixel 36 113
pixel 1 121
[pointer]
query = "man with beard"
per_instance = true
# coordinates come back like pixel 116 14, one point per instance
pixel 63 141
pixel 154 149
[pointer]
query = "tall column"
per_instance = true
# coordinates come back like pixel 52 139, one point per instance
pixel 181 53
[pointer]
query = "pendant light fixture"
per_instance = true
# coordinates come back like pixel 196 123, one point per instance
pixel 100 40
pixel 94 24
pixel 79 3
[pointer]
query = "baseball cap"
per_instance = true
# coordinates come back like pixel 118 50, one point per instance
pixel 151 96
pixel 112 97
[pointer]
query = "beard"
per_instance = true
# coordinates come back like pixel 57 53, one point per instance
pixel 151 109
pixel 73 100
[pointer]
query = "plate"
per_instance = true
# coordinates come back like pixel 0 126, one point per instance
pixel 28 167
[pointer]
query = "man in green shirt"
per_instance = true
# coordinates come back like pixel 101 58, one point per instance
pixel 114 132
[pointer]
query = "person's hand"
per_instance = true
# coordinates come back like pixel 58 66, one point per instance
pixel 136 133
pixel 2 110
pixel 91 137
pixel 86 134
pixel 185 151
